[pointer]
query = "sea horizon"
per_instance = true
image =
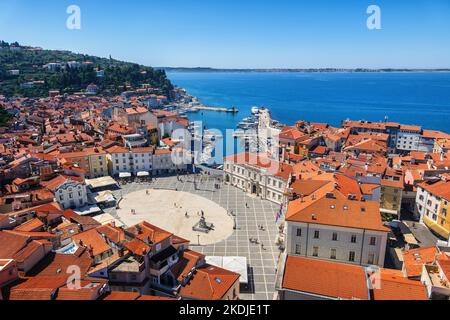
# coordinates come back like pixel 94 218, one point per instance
pixel 329 97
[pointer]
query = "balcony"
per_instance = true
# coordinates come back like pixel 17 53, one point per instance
pixel 158 269
pixel 161 261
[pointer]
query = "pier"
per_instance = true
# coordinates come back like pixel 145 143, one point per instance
pixel 219 109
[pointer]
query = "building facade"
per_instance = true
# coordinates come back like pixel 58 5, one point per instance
pixel 334 243
pixel 268 181
pixel 71 194
pixel 432 205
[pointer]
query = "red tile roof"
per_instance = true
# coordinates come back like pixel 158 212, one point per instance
pixel 279 169
pixel 325 278
pixel 122 296
pixel 16 242
pixel 209 283
pixel 336 211
pixel 394 285
pixel 38 288
pixel 155 298
pixel 55 264
pixel 31 225
pixel 416 258
pixel 92 240
pixel 115 234
pixel 186 263
pixel 145 231
pixel 439 188
pixel 89 290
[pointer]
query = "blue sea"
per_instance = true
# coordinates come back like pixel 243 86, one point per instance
pixel 418 98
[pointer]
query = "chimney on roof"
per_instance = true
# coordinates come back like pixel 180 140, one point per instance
pixel 314 217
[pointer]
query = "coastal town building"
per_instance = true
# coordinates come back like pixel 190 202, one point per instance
pixel 311 279
pixel 69 192
pixel 402 138
pixel 392 186
pixel 432 205
pixel 328 224
pixel 436 277
pixel 338 197
pixel 258 175
pixel 92 160
pixel 133 115
pixel 442 145
pixel 123 160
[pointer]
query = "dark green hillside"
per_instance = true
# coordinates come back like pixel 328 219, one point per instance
pixel 30 62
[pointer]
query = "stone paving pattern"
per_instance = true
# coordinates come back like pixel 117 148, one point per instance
pixel 261 261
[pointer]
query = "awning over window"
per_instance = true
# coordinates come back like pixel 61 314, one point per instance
pixel 143 174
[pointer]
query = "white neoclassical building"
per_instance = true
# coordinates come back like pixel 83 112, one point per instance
pixel 71 194
pixel 262 177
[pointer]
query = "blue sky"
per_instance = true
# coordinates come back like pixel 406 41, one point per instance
pixel 240 33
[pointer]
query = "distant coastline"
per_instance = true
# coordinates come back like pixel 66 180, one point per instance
pixel 306 70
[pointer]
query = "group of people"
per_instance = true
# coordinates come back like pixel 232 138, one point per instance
pixel 199 213
pixel 256 241
pixel 176 205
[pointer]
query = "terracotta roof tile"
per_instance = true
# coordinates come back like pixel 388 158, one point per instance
pixel 416 258
pixel 394 286
pixel 92 240
pixel 336 211
pixel 325 278
pixel 209 283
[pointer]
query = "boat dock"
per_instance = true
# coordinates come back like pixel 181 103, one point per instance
pixel 219 109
